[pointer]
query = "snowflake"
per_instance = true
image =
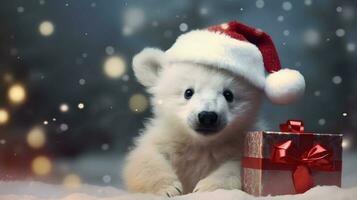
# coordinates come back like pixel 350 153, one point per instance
pixel 308 2
pixel 84 55
pixel 286 32
pixel 82 81
pixel 287 5
pixel 348 12
pixel 340 32
pixel 13 51
pixel 155 24
pixel 126 77
pixel 259 3
pixel 183 27
pixel 280 18
pixel 127 31
pixel 337 80
pixel 312 37
pixel 20 9
pixel 322 122
pixel 168 34
pixel 351 47
pixel 109 50
pixel 317 93
pixel 63 127
pixel 105 147
pixel 203 11
pixel 106 178
pixel 133 20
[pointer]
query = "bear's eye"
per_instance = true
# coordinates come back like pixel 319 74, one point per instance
pixel 228 95
pixel 189 93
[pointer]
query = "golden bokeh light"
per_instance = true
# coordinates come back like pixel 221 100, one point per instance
pixel 8 77
pixel 17 94
pixel 36 138
pixel 114 67
pixel 72 181
pixel 46 28
pixel 41 166
pixel 4 116
pixel 138 103
pixel 346 143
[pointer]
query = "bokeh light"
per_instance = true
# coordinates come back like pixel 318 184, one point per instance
pixel 138 103
pixel 259 3
pixel 114 67
pixel 41 166
pixel 81 106
pixel 337 80
pixel 287 6
pixel 133 20
pixel 46 28
pixel 4 116
pixel 106 178
pixel 72 181
pixel 311 37
pixel 36 138
pixel 63 127
pixel 17 94
pixel 346 143
pixel 8 77
pixel 64 107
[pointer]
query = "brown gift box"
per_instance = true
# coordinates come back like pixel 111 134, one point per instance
pixel 262 176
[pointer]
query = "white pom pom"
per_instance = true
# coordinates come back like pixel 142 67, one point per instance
pixel 284 86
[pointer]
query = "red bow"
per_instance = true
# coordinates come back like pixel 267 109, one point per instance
pixel 316 156
pixel 295 126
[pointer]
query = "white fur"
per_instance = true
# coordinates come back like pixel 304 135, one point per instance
pixel 169 157
pixel 219 50
pixel 148 62
pixel 284 86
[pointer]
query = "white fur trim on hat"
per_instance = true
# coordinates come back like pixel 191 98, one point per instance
pixel 219 50
pixel 284 86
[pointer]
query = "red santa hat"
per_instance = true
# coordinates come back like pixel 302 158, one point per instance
pixel 244 51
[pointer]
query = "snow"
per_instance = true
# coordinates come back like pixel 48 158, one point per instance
pixel 42 191
pixel 29 190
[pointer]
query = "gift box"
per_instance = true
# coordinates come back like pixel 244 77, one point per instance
pixel 290 161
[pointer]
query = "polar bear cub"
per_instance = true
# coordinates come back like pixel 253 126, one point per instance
pixel 193 143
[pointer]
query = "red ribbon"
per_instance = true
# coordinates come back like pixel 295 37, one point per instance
pixel 295 126
pixel 315 157
pixel 299 159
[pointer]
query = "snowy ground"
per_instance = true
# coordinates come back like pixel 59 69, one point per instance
pixel 29 190
pixel 41 191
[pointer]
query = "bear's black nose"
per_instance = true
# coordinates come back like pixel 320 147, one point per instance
pixel 207 119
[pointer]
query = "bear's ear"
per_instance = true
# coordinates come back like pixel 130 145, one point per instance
pixel 147 65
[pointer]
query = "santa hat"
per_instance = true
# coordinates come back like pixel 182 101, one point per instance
pixel 244 51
